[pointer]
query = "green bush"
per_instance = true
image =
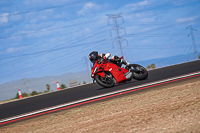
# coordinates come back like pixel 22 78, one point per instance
pixel 34 93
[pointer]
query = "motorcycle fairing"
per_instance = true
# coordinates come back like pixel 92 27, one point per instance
pixel 117 72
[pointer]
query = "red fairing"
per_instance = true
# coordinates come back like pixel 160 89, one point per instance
pixel 117 72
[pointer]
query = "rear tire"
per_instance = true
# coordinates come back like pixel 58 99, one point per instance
pixel 141 73
pixel 105 82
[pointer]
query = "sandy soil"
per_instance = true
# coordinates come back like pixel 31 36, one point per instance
pixel 168 109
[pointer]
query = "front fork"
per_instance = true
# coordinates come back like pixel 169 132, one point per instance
pixel 94 81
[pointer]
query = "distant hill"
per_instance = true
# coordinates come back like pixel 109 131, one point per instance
pixel 9 90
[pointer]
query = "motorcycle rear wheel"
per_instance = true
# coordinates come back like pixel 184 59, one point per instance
pixel 140 73
pixel 106 82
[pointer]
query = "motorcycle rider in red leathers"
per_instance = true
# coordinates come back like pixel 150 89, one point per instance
pixel 93 56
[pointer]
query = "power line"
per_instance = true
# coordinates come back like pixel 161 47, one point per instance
pixel 34 32
pixel 53 50
pixel 49 29
pixel 155 35
pixel 145 23
pixel 161 27
pixel 82 39
pixel 41 9
pixel 154 7
pixel 63 26
pixel 60 48
pixel 56 59
pixel 44 30
pixel 172 45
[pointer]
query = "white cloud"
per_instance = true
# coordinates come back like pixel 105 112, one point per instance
pixel 179 20
pixel 40 2
pixel 148 19
pixel 139 4
pixel 3 18
pixel 1 52
pixel 12 50
pixel 88 7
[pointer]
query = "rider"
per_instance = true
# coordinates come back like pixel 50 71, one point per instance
pixel 93 56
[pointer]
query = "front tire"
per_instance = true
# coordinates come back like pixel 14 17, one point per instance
pixel 105 82
pixel 139 72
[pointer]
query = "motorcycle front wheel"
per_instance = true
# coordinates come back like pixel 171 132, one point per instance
pixel 105 81
pixel 139 72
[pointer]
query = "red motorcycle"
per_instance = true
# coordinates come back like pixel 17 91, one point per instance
pixel 107 74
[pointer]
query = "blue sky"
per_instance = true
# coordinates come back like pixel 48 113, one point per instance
pixel 48 38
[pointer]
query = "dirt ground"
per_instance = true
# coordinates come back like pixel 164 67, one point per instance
pixel 171 108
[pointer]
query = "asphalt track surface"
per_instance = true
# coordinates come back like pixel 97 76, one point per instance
pixel 40 102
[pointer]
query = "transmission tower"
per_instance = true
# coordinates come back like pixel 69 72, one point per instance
pixel 26 85
pixel 116 28
pixel 193 40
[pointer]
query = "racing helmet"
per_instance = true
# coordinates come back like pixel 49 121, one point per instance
pixel 93 56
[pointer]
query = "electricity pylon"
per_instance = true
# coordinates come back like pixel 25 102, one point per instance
pixel 193 41
pixel 118 39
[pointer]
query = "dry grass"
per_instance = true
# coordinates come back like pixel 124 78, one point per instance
pixel 172 109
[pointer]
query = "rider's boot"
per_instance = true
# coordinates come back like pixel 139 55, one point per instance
pixel 129 74
pixel 128 65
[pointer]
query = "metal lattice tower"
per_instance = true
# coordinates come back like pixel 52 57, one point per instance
pixel 26 85
pixel 116 28
pixel 193 40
